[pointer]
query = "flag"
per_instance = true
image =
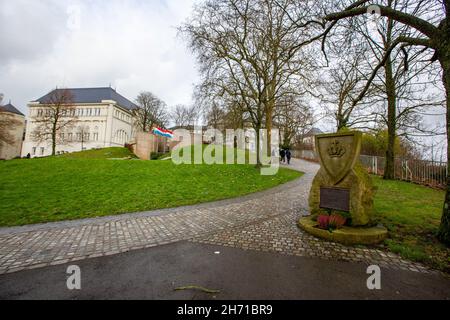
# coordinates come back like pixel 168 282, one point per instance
pixel 163 132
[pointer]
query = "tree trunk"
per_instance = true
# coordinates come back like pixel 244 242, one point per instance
pixel 444 228
pixel 269 113
pixel 389 167
pixel 144 124
pixel 391 121
pixel 258 147
pixel 54 139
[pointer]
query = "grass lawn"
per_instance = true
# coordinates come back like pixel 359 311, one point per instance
pixel 412 213
pixel 85 185
pixel 111 153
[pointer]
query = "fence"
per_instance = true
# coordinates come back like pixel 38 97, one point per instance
pixel 429 173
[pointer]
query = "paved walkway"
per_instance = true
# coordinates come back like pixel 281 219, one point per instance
pixel 238 274
pixel 264 221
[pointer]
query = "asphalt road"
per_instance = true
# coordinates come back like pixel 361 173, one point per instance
pixel 154 274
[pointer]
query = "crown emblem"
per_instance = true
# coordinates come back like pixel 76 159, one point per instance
pixel 336 150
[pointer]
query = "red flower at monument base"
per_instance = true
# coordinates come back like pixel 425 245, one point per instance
pixel 323 221
pixel 333 222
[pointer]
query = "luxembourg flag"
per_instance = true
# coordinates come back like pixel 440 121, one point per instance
pixel 163 132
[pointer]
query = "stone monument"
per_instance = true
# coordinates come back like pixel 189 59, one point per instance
pixel 342 184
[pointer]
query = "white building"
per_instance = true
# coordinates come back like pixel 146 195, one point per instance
pixel 309 139
pixel 104 119
pixel 15 121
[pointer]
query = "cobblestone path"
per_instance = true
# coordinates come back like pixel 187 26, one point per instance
pixel 264 221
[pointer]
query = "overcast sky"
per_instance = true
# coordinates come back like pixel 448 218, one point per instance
pixel 130 44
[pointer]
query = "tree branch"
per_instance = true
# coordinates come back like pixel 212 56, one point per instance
pixel 419 24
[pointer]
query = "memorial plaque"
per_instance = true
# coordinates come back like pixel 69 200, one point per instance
pixel 335 199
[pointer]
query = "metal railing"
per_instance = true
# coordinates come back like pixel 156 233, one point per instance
pixel 430 173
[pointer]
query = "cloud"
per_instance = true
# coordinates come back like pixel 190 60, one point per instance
pixel 131 45
pixel 28 29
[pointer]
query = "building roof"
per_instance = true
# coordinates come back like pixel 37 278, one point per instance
pixel 189 127
pixel 314 132
pixel 10 108
pixel 93 95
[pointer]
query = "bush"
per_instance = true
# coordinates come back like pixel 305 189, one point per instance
pixel 323 221
pixel 331 222
pixel 129 147
pixel 336 222
pixel 154 156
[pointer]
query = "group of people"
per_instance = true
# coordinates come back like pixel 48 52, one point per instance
pixel 285 156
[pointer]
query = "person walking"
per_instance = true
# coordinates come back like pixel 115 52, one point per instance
pixel 283 155
pixel 288 156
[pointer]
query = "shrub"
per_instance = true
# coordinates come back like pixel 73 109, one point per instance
pixel 336 221
pixel 129 147
pixel 323 221
pixel 154 156
pixel 332 222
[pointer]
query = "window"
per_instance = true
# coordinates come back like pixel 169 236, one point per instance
pixel 79 136
pixel 62 136
pixel 42 151
pixel 70 136
pixel 121 136
pixel 86 136
pixel 33 151
pixel 96 136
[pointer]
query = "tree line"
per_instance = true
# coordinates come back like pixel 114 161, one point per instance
pixel 378 65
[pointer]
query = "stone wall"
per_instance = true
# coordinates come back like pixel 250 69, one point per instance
pixel 147 143
pixel 7 151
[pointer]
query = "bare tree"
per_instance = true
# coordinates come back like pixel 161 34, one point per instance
pixel 220 110
pixel 428 29
pixel 344 81
pixel 184 116
pixel 82 135
pixel 57 114
pixel 152 111
pixel 294 118
pixel 401 86
pixel 215 116
pixel 249 51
